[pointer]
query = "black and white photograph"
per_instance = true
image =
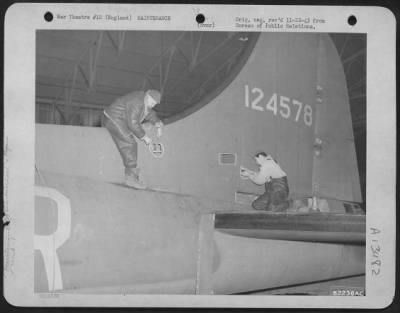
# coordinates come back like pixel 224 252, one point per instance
pixel 200 161
pixel 254 129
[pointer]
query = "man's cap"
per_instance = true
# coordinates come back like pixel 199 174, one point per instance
pixel 266 155
pixel 260 152
pixel 155 94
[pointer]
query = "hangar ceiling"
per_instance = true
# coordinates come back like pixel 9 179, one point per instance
pixel 352 50
pixel 87 70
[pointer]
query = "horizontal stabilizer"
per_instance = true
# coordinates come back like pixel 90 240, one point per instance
pixel 312 227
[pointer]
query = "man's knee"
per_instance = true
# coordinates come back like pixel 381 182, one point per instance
pixel 279 201
pixel 254 205
pixel 127 143
pixel 259 204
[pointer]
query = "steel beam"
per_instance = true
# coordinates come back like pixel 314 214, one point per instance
pixel 72 86
pixel 121 40
pixel 214 74
pixel 119 43
pixel 83 75
pixel 344 45
pixel 74 104
pixel 358 84
pixel 187 61
pixel 350 65
pixel 184 77
pixel 229 36
pixel 354 56
pixel 195 51
pixel 171 55
pixel 165 52
pixel 114 44
pixel 93 58
pixel 359 96
pixel 62 115
pixel 75 112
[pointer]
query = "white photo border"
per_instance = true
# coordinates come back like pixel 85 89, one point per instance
pixel 21 22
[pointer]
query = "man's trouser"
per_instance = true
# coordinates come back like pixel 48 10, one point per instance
pixel 126 144
pixel 275 197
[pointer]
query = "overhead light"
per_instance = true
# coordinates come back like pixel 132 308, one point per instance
pixel 243 38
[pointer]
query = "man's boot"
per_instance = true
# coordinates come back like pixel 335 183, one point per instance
pixel 132 179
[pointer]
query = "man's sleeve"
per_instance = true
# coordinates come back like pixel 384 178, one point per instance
pixel 134 111
pixel 262 176
pixel 152 117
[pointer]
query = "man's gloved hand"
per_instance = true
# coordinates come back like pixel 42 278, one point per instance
pixel 159 127
pixel 159 132
pixel 147 140
pixel 244 173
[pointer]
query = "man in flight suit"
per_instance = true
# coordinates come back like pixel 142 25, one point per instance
pixel 123 121
pixel 275 197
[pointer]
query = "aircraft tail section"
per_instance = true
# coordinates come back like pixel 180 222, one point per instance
pixel 335 170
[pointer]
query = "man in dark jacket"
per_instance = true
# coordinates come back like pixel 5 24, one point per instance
pixel 124 119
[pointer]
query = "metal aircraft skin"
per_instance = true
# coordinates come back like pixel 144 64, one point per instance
pixel 93 235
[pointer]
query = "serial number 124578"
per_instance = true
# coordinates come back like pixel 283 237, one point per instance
pixel 284 106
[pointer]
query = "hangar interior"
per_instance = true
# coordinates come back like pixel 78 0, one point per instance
pixel 177 237
pixel 79 73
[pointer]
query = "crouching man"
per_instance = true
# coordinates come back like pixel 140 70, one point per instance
pixel 123 119
pixel 275 197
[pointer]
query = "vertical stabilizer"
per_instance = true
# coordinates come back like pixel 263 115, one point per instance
pixel 335 170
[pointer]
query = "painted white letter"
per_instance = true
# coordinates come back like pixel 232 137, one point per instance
pixel 48 245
